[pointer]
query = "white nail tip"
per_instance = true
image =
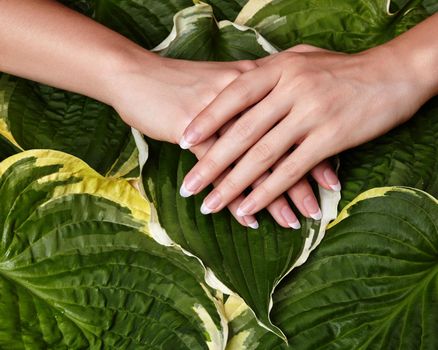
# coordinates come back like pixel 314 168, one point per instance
pixel 184 144
pixel 336 188
pixel 205 210
pixel 254 225
pixel 317 215
pixel 295 225
pixel 184 192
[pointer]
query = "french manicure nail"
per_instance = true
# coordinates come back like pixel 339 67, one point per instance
pixel 251 222
pixel 332 180
pixel 190 185
pixel 189 139
pixel 210 203
pixel 312 207
pixel 290 218
pixel 245 208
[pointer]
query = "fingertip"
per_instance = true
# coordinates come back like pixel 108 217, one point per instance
pixel 251 222
pixel 290 218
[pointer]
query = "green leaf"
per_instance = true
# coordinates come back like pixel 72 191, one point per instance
pixel 80 270
pixel 35 116
pixel 147 22
pixel 407 156
pixel 431 6
pixel 372 283
pixel 341 25
pixel 196 35
pixel 226 9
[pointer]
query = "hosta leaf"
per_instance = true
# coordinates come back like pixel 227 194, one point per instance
pixel 35 116
pixel 226 9
pixel 407 156
pixel 431 6
pixel 341 25
pixel 86 7
pixel 372 283
pixel 147 22
pixel 79 269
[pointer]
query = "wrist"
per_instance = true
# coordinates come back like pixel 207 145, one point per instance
pixel 121 65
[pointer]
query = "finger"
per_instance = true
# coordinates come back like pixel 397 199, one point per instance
pixel 239 137
pixel 301 48
pixel 305 157
pixel 280 209
pixel 254 163
pixel 249 220
pixel 247 89
pixel 304 199
pixel 324 175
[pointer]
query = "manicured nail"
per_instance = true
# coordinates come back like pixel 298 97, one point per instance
pixel 251 222
pixel 312 207
pixel 290 218
pixel 190 185
pixel 332 180
pixel 189 139
pixel 210 203
pixel 245 208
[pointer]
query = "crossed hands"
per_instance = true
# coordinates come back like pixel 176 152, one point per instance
pixel 266 124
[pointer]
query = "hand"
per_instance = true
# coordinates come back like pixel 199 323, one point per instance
pixel 174 92
pixel 318 101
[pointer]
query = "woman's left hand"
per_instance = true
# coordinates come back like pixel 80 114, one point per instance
pixel 310 102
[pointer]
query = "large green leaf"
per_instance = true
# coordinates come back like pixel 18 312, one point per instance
pixel 79 269
pixel 147 22
pixel 407 156
pixel 226 9
pixel 240 260
pixel 342 25
pixel 35 116
pixel 371 284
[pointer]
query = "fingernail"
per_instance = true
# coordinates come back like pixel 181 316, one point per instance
pixel 190 185
pixel 245 208
pixel 332 180
pixel 312 207
pixel 189 139
pixel 210 203
pixel 251 222
pixel 290 218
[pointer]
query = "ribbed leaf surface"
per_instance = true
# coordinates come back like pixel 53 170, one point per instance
pixel 371 284
pixel 36 116
pixel 407 156
pixel 342 25
pixel 79 270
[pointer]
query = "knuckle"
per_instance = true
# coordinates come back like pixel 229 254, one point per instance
pixel 242 129
pixel 210 165
pixel 230 185
pixel 240 89
pixel 247 65
pixel 289 170
pixel 263 152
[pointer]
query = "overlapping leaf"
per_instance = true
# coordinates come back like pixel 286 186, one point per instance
pixel 79 270
pixel 35 116
pixel 341 25
pixel 407 156
pixel 372 283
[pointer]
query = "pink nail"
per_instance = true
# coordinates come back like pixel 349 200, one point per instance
pixel 332 180
pixel 290 218
pixel 251 222
pixel 312 207
pixel 191 183
pixel 210 203
pixel 189 138
pixel 246 207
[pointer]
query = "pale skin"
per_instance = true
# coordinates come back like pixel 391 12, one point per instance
pixel 46 42
pixel 314 104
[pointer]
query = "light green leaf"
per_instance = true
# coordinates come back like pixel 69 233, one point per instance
pixel 407 156
pixel 372 283
pixel 147 22
pixel 35 116
pixel 79 269
pixel 341 25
